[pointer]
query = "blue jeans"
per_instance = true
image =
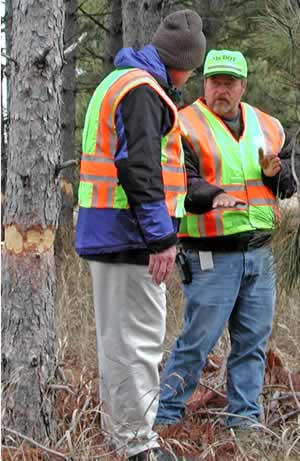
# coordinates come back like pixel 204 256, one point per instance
pixel 240 291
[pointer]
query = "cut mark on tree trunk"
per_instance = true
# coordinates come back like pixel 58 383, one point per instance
pixel 67 188
pixel 34 240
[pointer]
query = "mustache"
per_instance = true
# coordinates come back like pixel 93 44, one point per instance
pixel 222 99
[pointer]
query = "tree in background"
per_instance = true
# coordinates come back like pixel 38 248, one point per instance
pixel 31 217
pixel 277 40
pixel 68 113
pixel 279 33
pixel 5 70
pixel 145 13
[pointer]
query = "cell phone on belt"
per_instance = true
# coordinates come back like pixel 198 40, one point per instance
pixel 184 267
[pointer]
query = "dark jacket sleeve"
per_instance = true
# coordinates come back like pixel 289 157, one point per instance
pixel 142 120
pixel 283 184
pixel 200 193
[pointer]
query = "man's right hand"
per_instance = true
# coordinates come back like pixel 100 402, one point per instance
pixel 224 200
pixel 161 264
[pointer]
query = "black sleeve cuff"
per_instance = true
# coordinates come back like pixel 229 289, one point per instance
pixel 163 244
pixel 271 181
pixel 199 200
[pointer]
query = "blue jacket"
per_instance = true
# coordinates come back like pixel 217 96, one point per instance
pixel 142 119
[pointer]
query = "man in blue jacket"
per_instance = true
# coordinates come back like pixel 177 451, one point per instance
pixel 131 195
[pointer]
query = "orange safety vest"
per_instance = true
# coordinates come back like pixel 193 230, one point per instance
pixel 99 187
pixel 233 166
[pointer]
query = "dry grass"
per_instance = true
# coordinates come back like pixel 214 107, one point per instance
pixel 77 331
pixel 286 244
pixel 201 434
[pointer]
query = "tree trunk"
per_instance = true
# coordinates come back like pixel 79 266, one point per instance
pixel 68 114
pixel 211 12
pixel 5 71
pixel 31 216
pixel 114 40
pixel 140 21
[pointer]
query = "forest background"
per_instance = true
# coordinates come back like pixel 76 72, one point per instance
pixel 268 33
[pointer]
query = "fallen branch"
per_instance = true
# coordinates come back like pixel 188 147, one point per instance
pixel 293 390
pixel 61 387
pixel 284 417
pixel 213 390
pixel 224 413
pixel 285 395
pixel 28 439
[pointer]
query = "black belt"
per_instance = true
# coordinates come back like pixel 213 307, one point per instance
pixel 226 244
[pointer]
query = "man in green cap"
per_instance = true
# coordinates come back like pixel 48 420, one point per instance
pixel 237 167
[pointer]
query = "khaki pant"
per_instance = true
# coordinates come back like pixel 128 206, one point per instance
pixel 130 313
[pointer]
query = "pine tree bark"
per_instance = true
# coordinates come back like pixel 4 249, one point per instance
pixel 114 40
pixel 146 14
pixel 5 71
pixel 68 114
pixel 33 202
pixel 211 11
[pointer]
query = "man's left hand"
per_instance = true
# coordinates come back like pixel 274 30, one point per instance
pixel 269 163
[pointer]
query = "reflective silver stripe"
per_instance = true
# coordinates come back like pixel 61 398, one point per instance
pixel 254 182
pixel 110 121
pixel 262 201
pixel 174 188
pixel 95 195
pixel 96 158
pixel 212 145
pixel 194 137
pixel 172 169
pixel 174 200
pixel 281 132
pixel 265 131
pixel 219 223
pixel 233 187
pixel 225 68
pixel 241 187
pixel 110 196
pixel 201 226
pixel 90 177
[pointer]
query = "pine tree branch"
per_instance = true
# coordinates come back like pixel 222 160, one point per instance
pixel 94 20
pixel 74 45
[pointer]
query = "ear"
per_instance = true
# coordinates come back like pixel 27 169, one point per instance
pixel 244 85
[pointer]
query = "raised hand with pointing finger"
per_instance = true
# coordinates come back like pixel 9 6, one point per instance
pixel 270 163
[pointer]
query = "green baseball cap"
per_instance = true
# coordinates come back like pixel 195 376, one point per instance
pixel 225 62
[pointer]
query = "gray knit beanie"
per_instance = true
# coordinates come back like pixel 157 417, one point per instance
pixel 180 41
